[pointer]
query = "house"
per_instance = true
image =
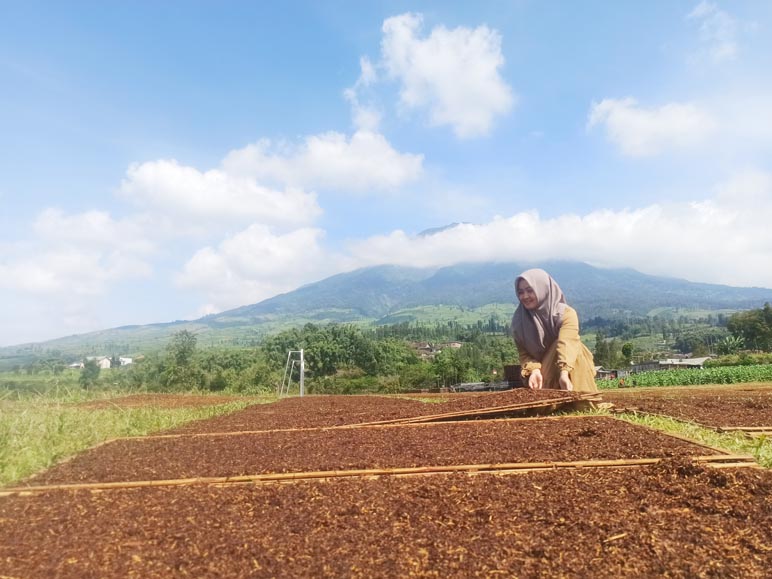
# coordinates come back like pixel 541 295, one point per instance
pixel 602 374
pixel 102 361
pixel 424 350
pixel 648 366
pixel 125 361
pixel 676 363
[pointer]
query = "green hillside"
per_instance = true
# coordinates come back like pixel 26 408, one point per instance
pixel 466 293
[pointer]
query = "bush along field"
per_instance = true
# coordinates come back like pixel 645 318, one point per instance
pixel 688 377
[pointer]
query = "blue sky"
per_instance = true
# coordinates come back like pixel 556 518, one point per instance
pixel 164 160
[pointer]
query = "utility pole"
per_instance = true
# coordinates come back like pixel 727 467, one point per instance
pixel 302 373
pixel 288 368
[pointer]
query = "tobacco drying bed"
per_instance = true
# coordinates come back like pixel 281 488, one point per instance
pixel 670 520
pixel 375 447
pixel 721 406
pixel 673 519
pixel 319 411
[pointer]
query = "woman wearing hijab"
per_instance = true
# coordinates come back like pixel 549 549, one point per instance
pixel 546 332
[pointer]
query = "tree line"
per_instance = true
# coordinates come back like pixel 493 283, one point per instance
pixel 339 358
pixel 350 358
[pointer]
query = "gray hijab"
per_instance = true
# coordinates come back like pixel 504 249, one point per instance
pixel 536 330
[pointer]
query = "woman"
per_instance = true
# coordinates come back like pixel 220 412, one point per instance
pixel 546 332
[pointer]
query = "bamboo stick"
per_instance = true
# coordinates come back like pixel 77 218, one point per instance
pixel 340 427
pixel 488 410
pixel 747 428
pixel 733 465
pixel 410 421
pixel 496 468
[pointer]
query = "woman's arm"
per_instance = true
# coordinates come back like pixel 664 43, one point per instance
pixel 568 347
pixel 568 340
pixel 530 368
pixel 527 362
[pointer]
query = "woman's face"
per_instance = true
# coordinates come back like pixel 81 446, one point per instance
pixel 526 295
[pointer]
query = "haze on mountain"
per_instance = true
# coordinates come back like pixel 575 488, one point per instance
pixel 392 294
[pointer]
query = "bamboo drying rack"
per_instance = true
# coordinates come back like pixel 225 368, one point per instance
pixel 715 461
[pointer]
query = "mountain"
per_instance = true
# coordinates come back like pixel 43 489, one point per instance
pixel 390 294
pixel 383 290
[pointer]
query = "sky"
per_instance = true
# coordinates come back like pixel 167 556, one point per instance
pixel 166 160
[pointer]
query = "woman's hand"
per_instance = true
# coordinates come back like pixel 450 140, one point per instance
pixel 535 380
pixel 565 381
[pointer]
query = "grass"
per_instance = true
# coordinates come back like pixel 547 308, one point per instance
pixel 38 431
pixel 734 442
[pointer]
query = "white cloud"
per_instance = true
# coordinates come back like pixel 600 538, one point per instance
pixel 214 195
pixel 256 264
pixel 750 187
pixel 747 116
pixel 718 31
pixel 368 73
pixel 69 270
pixel 455 74
pixel 640 132
pixel 93 229
pixel 366 117
pixel 725 239
pixel 330 161
pixel 76 255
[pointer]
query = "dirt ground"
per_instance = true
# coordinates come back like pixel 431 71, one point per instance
pixel 718 406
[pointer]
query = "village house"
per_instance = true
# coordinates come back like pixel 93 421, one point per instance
pixel 102 361
pixel 424 350
pixel 676 363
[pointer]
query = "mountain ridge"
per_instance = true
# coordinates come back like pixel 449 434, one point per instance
pixel 387 293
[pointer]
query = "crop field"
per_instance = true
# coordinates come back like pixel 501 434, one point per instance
pixel 685 377
pixel 369 486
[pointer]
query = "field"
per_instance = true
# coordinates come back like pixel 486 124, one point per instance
pixel 37 431
pixel 367 486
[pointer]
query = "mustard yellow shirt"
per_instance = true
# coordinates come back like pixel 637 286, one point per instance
pixel 568 345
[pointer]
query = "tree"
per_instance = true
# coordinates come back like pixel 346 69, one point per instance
pixel 729 345
pixel 180 370
pixel 417 376
pixel 754 327
pixel 627 351
pixel 89 374
pixel 601 353
pixel 182 347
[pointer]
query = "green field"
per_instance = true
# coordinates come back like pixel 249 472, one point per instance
pixel 695 376
pixel 39 430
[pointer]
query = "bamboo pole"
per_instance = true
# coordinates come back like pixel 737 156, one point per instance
pixel 488 410
pixel 343 427
pixel 495 468
pixel 746 428
pixel 409 421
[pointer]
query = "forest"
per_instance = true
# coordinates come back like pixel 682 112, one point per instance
pixel 346 358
